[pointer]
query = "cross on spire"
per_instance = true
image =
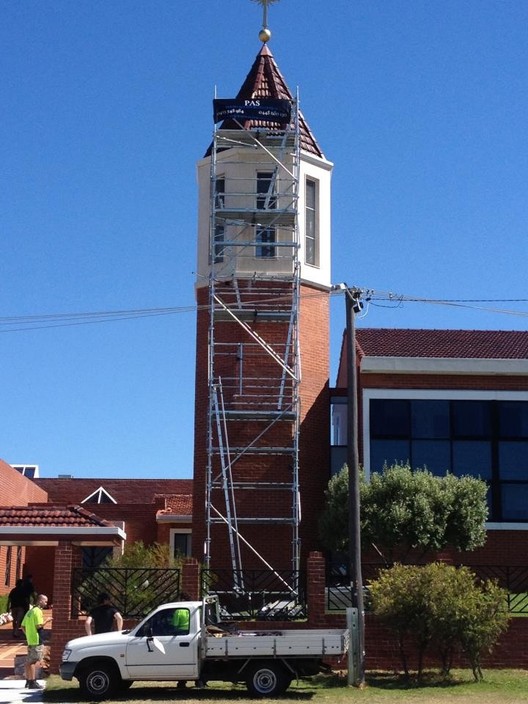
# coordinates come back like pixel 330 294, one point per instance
pixel 265 34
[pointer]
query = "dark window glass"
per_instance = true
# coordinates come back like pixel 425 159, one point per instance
pixel 219 193
pixel 513 419
pixel 266 235
pixel 430 419
pixel 433 455
pixel 389 418
pixel 472 457
pixel 484 439
pixel 338 458
pixel 7 579
pixel 266 198
pixel 514 501
pixel 219 235
pixel 388 452
pixel 513 460
pixel 182 544
pixel 18 569
pixel 471 419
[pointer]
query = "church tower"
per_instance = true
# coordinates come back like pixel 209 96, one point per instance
pixel 262 368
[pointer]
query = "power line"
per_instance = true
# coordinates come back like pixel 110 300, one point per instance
pixel 22 323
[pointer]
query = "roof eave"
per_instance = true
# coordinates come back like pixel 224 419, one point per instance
pixel 173 518
pixel 443 365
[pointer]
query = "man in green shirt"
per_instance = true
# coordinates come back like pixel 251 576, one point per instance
pixel 181 620
pixel 32 625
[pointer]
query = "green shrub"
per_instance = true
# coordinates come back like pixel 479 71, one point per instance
pixel 440 607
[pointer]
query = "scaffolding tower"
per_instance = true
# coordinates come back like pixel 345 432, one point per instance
pixel 254 362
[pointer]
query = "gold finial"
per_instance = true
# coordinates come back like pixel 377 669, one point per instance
pixel 265 34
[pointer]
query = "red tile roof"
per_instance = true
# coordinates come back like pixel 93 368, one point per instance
pixel 454 344
pixel 50 516
pixel 264 80
pixel 177 504
pixel 460 344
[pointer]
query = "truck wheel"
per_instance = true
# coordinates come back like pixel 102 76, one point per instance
pixel 267 680
pixel 99 681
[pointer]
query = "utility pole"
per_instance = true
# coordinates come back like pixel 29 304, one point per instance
pixel 353 306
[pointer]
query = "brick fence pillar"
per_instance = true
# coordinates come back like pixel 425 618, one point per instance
pixel 64 560
pixel 190 579
pixel 315 585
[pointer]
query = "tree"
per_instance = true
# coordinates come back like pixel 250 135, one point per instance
pixel 404 510
pixel 137 581
pixel 140 555
pixel 440 607
pixel 333 522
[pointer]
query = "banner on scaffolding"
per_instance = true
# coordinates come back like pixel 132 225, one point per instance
pixel 261 109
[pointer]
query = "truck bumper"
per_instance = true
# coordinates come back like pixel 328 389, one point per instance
pixel 66 670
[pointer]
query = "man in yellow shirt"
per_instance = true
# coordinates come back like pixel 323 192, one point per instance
pixel 32 625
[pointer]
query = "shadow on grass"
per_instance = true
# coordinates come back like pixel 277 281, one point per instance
pixel 389 680
pixel 146 692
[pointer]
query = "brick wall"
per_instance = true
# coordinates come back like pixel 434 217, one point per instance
pixel 14 487
pixel 273 541
pixel 200 425
pixel 444 381
pixel 39 563
pixel 381 648
pixel 15 490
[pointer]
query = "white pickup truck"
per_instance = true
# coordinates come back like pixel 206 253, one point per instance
pixel 181 641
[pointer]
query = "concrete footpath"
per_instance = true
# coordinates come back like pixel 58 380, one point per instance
pixel 12 680
pixel 14 691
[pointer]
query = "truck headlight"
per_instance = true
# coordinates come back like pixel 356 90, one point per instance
pixel 66 654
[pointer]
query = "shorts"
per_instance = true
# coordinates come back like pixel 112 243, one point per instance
pixel 35 654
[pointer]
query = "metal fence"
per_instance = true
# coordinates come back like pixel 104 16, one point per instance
pixel 513 579
pixel 267 595
pixel 134 591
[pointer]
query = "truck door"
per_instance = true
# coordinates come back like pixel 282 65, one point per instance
pixel 164 648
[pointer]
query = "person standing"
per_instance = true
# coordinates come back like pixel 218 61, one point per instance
pixel 32 625
pixel 104 617
pixel 29 588
pixel 18 604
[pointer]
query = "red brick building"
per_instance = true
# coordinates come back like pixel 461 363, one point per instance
pixel 453 401
pixel 147 510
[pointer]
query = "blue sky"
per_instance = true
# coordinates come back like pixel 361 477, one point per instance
pixel 105 107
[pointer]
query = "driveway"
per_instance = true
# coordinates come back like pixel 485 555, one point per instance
pixel 12 691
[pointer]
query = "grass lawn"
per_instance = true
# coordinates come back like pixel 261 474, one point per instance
pixel 498 687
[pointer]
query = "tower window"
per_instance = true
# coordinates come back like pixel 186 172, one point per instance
pixel 219 228
pixel 219 235
pixel 311 224
pixel 219 191
pixel 266 200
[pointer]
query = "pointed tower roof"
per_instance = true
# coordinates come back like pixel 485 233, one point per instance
pixel 264 80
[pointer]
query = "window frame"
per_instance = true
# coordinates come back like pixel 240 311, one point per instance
pixel 180 531
pixel 311 213
pixel 497 482
pixel 266 235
